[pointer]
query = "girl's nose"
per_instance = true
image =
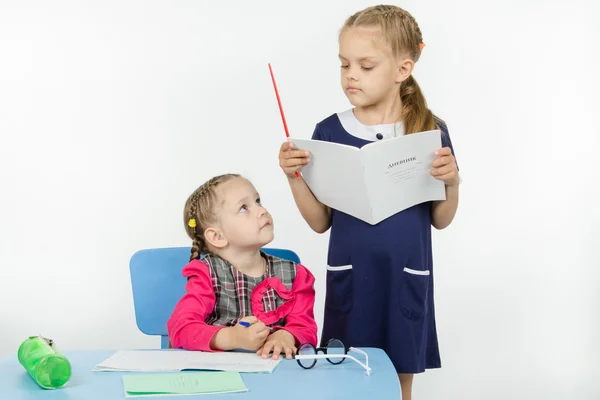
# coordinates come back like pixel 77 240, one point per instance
pixel 261 211
pixel 351 74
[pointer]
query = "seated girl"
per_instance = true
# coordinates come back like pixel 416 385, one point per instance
pixel 237 296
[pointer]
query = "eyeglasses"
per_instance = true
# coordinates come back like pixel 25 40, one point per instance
pixel 335 352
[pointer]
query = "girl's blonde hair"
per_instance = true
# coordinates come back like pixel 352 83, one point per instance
pixel 401 31
pixel 199 211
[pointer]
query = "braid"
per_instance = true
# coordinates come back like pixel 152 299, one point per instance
pixel 196 249
pixel 389 11
pixel 199 212
pixel 191 230
pixel 398 26
pixel 417 35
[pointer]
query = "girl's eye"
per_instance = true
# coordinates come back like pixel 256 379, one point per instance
pixel 243 208
pixel 367 68
pixel 344 66
pixel 258 201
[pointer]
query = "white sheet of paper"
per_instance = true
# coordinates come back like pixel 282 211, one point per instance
pixel 179 360
pixel 378 180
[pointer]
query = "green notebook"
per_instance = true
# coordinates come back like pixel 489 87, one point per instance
pixel 183 383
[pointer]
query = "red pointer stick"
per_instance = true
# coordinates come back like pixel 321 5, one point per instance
pixel 287 133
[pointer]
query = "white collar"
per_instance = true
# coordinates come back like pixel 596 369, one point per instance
pixel 369 132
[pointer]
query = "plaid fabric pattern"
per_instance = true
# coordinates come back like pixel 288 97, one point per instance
pixel 233 289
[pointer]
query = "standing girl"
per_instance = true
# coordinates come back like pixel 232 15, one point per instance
pixel 380 277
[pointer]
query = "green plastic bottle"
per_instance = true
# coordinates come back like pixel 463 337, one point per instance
pixel 44 363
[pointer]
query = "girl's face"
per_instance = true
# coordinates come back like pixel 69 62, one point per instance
pixel 370 74
pixel 243 221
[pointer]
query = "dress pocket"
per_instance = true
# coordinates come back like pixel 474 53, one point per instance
pixel 339 293
pixel 415 289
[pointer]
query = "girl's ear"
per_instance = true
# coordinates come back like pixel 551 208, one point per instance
pixel 405 69
pixel 215 238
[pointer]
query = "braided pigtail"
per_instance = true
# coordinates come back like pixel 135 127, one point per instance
pixel 199 212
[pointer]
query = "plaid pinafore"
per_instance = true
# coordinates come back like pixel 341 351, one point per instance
pixel 233 289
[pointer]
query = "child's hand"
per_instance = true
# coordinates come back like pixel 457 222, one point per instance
pixel 292 160
pixel 252 337
pixel 444 167
pixel 278 342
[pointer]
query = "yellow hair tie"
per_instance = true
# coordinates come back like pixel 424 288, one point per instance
pixel 192 223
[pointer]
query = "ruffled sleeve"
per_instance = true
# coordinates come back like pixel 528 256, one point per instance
pixel 298 308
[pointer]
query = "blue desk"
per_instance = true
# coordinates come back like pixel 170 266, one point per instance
pixel 289 381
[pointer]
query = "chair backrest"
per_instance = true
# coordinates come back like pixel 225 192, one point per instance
pixel 157 285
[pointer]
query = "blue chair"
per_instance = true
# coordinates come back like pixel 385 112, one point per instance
pixel 157 285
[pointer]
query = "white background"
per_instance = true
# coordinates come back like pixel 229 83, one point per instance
pixel 112 112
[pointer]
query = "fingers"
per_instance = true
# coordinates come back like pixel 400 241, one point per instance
pixel 444 160
pixel 294 168
pixel 294 164
pixel 262 335
pixel 257 342
pixel 295 157
pixel 250 319
pixel 444 164
pixel 443 151
pixel 286 146
pixel 297 153
pixel 294 153
pixel 289 351
pixel 258 327
pixel 277 349
pixel 287 150
pixel 259 333
pixel 263 348
pixel 292 160
pixel 449 179
pixel 267 349
pixel 447 174
pixel 446 169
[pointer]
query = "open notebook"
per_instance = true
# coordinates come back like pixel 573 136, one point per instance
pixel 376 181
pixel 180 360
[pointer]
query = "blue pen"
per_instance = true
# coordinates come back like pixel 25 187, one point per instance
pixel 247 324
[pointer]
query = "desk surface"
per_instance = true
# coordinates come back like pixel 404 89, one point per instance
pixel 289 381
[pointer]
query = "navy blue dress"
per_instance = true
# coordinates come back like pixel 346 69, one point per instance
pixel 380 277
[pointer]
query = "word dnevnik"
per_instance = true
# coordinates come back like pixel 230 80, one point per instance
pixel 395 164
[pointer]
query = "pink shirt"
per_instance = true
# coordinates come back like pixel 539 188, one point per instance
pixel 187 326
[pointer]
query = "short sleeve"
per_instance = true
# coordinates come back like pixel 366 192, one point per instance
pixel 317 134
pixel 321 133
